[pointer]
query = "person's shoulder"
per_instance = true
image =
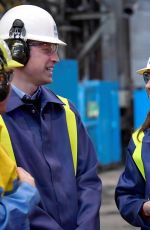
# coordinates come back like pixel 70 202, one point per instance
pixel 73 108
pixel 71 104
pixel 60 98
pixel 140 135
pixel 138 138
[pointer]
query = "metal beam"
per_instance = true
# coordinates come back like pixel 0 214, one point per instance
pixel 93 40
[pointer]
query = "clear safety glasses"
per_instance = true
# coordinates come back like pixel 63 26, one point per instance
pixel 47 48
pixel 146 77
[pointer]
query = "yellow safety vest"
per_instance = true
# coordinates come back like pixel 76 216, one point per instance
pixel 137 154
pixel 72 132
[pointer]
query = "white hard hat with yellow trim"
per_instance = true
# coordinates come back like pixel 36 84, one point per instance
pixel 6 61
pixel 141 71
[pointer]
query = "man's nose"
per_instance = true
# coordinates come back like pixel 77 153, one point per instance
pixel 54 57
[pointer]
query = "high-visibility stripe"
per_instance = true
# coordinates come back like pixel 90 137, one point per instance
pixel 72 130
pixel 137 154
pixel 5 139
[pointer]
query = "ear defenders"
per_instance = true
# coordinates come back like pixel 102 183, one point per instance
pixel 18 46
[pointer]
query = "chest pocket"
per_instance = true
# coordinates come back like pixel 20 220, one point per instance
pixel 72 132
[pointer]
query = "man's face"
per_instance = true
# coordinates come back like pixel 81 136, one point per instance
pixel 43 57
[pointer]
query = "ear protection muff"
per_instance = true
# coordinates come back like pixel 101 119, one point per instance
pixel 18 46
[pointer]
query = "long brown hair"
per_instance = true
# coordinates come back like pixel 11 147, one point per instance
pixel 145 125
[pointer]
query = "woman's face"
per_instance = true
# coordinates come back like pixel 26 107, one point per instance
pixel 146 77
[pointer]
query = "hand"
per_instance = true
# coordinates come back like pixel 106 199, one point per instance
pixel 146 208
pixel 24 176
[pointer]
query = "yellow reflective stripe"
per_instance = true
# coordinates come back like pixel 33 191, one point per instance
pixel 72 130
pixel 5 140
pixel 137 155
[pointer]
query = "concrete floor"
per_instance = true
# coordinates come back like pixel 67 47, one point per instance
pixel 110 217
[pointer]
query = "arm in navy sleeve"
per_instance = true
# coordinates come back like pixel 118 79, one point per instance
pixel 130 192
pixel 15 207
pixel 88 183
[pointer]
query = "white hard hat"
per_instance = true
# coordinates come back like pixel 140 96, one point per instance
pixel 6 58
pixel 39 24
pixel 141 71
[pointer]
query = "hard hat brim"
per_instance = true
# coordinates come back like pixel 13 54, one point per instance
pixel 13 64
pixel 141 71
pixel 46 39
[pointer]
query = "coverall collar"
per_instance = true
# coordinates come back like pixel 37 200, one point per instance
pixel 46 96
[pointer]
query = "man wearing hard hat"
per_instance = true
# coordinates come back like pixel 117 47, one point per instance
pixel 17 197
pixel 59 153
pixel 133 190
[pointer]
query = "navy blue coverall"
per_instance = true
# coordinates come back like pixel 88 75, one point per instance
pixel 132 189
pixel 41 144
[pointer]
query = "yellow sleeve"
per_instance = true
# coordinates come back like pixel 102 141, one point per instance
pixel 8 174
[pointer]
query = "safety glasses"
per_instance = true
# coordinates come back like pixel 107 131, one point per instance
pixel 47 48
pixel 146 77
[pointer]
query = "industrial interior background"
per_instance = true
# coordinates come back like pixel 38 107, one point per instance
pixel 107 41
